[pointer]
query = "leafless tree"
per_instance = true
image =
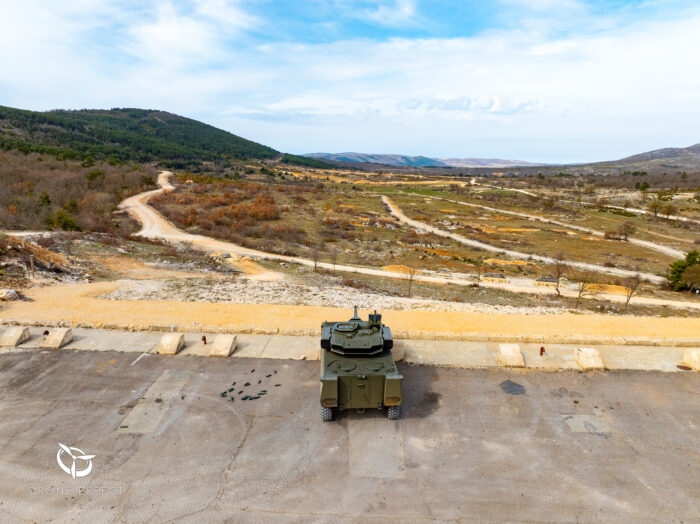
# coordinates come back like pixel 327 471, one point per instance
pixel 632 287
pixel 625 230
pixel 560 268
pixel 410 273
pixel 479 265
pixel 334 257
pixel 655 207
pixel 669 209
pixel 315 254
pixel 584 287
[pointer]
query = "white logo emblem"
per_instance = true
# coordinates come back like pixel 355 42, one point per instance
pixel 75 454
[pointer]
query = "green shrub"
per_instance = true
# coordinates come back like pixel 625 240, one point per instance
pixel 675 274
pixel 61 219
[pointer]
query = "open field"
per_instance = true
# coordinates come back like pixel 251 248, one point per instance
pixel 338 219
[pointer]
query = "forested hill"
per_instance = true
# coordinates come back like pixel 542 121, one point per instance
pixel 136 135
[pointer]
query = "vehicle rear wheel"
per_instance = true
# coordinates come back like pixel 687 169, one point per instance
pixel 394 412
pixel 326 414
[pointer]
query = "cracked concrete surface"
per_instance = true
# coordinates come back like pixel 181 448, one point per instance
pixel 465 451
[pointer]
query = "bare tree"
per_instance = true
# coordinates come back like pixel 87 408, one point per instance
pixel 632 287
pixel 334 257
pixel 655 207
pixel 410 273
pixel 479 265
pixel 625 230
pixel 560 268
pixel 315 254
pixel 669 209
pixel 585 287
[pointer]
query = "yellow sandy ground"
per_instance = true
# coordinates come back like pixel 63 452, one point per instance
pixel 77 303
pixel 499 262
pixel 397 268
pixel 518 229
pixel 609 289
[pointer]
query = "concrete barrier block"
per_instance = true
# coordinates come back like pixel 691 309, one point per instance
pixel 14 336
pixel 171 343
pixel 398 351
pixel 588 358
pixel 691 358
pixel 223 346
pixel 57 338
pixel 510 355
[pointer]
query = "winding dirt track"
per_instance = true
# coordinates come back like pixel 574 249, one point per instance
pixel 677 218
pixel 156 226
pixel 396 211
pixel 666 250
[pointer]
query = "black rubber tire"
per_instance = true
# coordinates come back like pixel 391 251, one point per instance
pixel 393 412
pixel 326 414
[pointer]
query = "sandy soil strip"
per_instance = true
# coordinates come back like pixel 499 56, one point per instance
pixel 78 303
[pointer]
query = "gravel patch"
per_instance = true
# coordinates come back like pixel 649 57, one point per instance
pixel 245 291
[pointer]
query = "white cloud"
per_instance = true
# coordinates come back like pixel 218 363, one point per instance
pixel 614 87
pixel 393 14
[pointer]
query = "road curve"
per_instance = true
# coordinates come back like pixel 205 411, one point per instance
pixel 677 218
pixel 666 250
pixel 396 211
pixel 154 225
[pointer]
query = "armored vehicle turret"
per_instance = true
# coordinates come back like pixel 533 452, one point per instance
pixel 357 368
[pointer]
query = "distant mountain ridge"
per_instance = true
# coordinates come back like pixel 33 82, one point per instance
pixel 663 154
pixel 418 161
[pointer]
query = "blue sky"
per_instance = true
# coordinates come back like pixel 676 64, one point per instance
pixel 540 80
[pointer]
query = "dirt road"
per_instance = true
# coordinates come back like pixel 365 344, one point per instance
pixel 156 226
pixel 666 250
pixel 396 211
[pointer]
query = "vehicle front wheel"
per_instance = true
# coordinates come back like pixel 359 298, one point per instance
pixel 326 414
pixel 394 412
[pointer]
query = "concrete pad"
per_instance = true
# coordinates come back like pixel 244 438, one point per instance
pixel 691 358
pixel 287 346
pixel 468 447
pixel 57 338
pixel 223 346
pixel 252 346
pixel 14 336
pixel 596 425
pixel 641 357
pixel 555 357
pixel 171 343
pixel 375 447
pixel 146 415
pixel 510 356
pixel 588 358
pixel 449 353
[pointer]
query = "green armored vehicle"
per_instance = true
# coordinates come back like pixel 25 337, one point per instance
pixel 357 368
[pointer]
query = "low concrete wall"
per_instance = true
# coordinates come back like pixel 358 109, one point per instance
pixel 421 335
